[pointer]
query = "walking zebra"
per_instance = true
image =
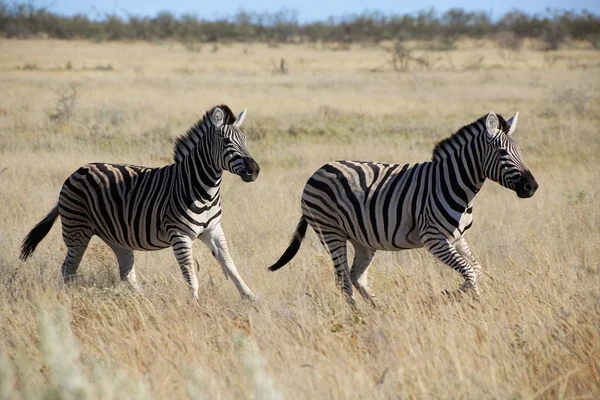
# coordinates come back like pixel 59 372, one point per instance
pixel 139 208
pixel 379 206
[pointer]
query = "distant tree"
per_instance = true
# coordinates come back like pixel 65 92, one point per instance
pixel 553 35
pixel 24 19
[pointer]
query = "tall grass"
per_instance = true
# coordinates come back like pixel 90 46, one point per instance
pixel 533 334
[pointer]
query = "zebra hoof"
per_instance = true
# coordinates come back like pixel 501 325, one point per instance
pixel 70 278
pixel 351 302
pixel 469 288
pixel 249 296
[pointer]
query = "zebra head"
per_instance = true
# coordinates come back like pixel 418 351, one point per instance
pixel 502 160
pixel 230 149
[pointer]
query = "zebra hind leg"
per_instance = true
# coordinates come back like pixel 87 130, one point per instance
pixel 337 247
pixel 358 274
pixel 126 262
pixel 182 248
pixel 77 243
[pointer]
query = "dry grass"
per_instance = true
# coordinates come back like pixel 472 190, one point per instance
pixel 534 334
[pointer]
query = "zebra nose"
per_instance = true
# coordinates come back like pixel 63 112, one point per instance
pixel 527 186
pixel 250 171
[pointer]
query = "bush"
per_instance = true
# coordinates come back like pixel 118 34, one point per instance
pixel 509 40
pixel 594 40
pixel 554 35
pixel 24 19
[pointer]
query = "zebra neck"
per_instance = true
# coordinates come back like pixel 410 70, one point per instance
pixel 471 161
pixel 462 174
pixel 198 180
pixel 473 155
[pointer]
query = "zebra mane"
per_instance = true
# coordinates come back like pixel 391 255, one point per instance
pixel 454 143
pixel 186 143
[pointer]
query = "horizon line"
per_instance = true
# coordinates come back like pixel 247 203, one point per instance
pixel 295 14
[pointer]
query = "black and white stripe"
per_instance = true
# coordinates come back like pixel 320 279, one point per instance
pixel 139 208
pixel 377 206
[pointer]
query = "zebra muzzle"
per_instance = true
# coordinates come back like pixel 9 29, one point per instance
pixel 527 186
pixel 250 171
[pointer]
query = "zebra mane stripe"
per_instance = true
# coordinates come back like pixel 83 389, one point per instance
pixel 186 143
pixel 452 144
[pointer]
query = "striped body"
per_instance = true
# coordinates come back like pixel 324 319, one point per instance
pixel 135 207
pixel 139 208
pixel 378 206
pixel 343 192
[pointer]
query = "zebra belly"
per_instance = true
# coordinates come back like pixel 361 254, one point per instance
pixel 193 225
pixel 372 228
pixel 150 235
pixel 135 234
pixel 402 237
pixel 156 245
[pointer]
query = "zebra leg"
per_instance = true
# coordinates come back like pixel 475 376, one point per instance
pixel 76 241
pixel 465 252
pixel 126 262
pixel 336 245
pixel 447 253
pixel 358 274
pixel 182 248
pixel 215 241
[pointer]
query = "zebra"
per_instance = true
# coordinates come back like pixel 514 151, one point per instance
pixel 378 206
pixel 140 208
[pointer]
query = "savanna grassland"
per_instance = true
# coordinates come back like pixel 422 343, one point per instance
pixel 535 332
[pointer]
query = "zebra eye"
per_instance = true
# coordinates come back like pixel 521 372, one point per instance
pixel 502 152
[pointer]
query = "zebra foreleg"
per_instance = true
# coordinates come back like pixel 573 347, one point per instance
pixel 215 241
pixel 126 262
pixel 358 273
pixel 447 253
pixel 182 248
pixel 463 249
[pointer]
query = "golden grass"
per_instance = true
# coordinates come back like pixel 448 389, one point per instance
pixel 534 334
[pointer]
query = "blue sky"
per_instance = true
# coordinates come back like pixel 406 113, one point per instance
pixel 308 10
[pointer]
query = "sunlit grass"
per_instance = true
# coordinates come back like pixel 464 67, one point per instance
pixel 534 333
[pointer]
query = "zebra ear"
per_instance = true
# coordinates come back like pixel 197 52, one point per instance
pixel 512 124
pixel 491 124
pixel 240 118
pixel 218 117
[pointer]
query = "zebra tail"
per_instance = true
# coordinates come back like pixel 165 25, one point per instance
pixel 294 246
pixel 37 234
